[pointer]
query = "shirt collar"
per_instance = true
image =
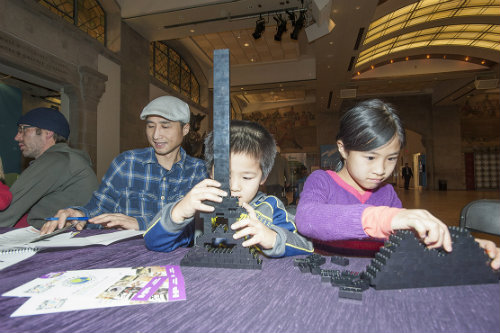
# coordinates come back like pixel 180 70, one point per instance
pixel 151 158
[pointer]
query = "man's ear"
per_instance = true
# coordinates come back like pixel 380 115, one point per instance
pixel 185 129
pixel 263 180
pixel 48 134
pixel 340 147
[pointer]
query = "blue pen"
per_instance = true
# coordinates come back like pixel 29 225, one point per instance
pixel 68 218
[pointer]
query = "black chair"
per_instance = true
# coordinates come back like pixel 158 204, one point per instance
pixel 482 216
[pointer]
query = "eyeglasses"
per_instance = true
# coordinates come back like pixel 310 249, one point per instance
pixel 22 128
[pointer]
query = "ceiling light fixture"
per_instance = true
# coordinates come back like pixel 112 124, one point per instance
pixel 260 26
pixel 280 27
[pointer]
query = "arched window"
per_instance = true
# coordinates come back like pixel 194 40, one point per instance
pixel 87 15
pixel 168 66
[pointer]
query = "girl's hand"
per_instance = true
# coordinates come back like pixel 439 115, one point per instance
pixel 431 231
pixel 491 250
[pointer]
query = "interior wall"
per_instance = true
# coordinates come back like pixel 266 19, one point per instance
pixel 449 164
pixel 108 116
pixel 10 111
pixel 43 49
pixel 135 79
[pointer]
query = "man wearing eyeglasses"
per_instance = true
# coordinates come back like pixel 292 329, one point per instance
pixel 59 176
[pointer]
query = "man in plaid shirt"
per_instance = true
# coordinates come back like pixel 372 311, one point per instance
pixel 140 182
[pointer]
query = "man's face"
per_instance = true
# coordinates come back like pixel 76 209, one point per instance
pixel 163 135
pixel 31 144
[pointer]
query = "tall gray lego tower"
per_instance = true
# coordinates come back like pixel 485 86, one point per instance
pixel 216 246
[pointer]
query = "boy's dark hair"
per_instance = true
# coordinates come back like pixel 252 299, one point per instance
pixel 246 137
pixel 369 125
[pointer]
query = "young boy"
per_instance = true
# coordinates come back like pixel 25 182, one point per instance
pixel 268 225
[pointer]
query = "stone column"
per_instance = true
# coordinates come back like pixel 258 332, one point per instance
pixel 92 86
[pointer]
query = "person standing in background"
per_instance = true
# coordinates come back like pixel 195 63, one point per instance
pixel 407 174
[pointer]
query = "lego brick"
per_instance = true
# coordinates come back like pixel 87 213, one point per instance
pixel 338 260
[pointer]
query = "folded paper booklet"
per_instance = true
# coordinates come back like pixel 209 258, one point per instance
pixel 13 256
pixel 24 237
pixel 18 245
pixel 100 288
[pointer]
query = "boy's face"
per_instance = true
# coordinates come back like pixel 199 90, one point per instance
pixel 246 176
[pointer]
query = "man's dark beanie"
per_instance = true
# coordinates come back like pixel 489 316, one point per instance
pixel 48 119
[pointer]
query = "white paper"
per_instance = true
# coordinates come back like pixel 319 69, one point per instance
pixel 21 238
pixel 13 256
pixel 98 288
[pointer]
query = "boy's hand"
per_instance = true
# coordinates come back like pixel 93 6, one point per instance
pixel 207 189
pixel 258 233
pixel 431 231
pixel 491 250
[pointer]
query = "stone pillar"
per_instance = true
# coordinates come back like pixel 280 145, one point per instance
pixel 92 86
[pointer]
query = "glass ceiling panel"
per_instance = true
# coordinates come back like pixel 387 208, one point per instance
pixel 445 5
pixel 474 35
pixel 470 11
pixel 487 44
pixel 441 15
pixel 427 11
pixel 490 11
pixel 394 28
pixel 418 20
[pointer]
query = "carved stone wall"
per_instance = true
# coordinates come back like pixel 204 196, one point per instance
pixel 43 49
pixel 83 85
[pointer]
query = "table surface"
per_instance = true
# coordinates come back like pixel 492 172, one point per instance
pixel 278 298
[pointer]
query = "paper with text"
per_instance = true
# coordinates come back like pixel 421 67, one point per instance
pixel 99 288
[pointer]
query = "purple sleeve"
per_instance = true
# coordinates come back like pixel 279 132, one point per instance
pixel 327 212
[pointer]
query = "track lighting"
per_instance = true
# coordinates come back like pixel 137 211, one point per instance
pixel 260 26
pixel 297 26
pixel 280 27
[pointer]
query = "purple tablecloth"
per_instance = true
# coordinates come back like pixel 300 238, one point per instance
pixel 277 299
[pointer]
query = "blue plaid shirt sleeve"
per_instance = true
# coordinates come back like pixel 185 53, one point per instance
pixel 107 196
pixel 137 185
